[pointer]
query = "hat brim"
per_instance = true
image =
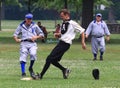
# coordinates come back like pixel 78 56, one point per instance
pixel 99 16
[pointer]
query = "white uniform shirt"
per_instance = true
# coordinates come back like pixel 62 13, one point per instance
pixel 27 33
pixel 68 31
pixel 97 29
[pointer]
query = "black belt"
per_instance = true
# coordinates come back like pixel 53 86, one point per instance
pixel 98 36
pixel 27 40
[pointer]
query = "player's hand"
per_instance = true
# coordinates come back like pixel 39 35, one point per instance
pixel 84 46
pixel 57 35
pixel 42 37
pixel 86 36
pixel 18 40
pixel 107 38
pixel 34 38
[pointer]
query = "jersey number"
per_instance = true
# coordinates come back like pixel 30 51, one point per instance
pixel 64 28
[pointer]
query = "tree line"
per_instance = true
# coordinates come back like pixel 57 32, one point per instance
pixel 82 8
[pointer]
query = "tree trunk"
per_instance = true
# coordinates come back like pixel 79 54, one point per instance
pixel 29 4
pixel 3 10
pixel 87 12
pixel 65 6
pixel 77 14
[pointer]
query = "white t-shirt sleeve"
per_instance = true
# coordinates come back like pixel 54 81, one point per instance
pixel 77 27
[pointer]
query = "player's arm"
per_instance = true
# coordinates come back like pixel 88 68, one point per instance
pixel 17 39
pixel 88 30
pixel 16 33
pixel 39 33
pixel 36 37
pixel 81 30
pixel 107 33
pixel 83 40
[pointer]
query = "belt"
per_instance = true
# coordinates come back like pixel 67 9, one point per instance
pixel 98 36
pixel 27 40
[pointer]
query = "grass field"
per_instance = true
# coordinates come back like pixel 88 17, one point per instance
pixel 78 60
pixel 12 24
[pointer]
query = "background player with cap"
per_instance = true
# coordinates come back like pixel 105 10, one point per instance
pixel 98 29
pixel 29 32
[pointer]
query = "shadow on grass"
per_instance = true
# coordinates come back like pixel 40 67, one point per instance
pixel 10 40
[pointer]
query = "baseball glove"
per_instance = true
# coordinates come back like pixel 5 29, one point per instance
pixel 95 74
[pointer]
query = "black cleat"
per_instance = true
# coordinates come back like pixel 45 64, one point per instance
pixel 101 58
pixel 94 59
pixel 23 75
pixel 38 76
pixel 32 74
pixel 66 73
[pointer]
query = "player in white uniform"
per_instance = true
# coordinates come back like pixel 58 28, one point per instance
pixel 29 32
pixel 67 34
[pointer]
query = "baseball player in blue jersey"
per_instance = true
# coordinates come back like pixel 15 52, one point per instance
pixel 67 34
pixel 98 29
pixel 29 32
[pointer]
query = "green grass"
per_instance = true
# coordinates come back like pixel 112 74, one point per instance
pixel 78 60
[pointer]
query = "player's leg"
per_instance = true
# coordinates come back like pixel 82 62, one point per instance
pixel 45 68
pixel 102 47
pixel 33 57
pixel 94 44
pixel 48 62
pixel 53 55
pixel 57 55
pixel 22 64
pixel 65 71
pixel 23 56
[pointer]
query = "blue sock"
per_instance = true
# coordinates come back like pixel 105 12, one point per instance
pixel 22 66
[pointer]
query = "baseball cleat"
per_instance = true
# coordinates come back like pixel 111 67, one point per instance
pixel 66 73
pixel 38 76
pixel 101 58
pixel 94 59
pixel 32 74
pixel 23 75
